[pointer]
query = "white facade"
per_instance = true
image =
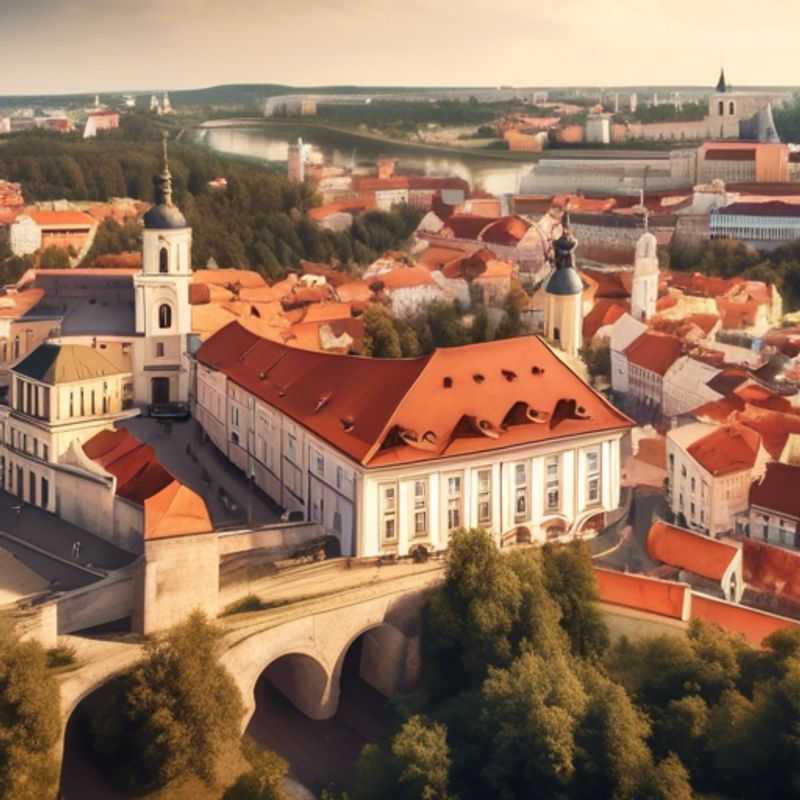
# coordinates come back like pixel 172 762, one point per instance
pixel 163 316
pixel 550 489
pixel 623 332
pixel 563 321
pixel 25 236
pixel 386 198
pixel 644 291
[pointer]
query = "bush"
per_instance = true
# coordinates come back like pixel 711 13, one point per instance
pixel 251 602
pixel 264 781
pixel 61 656
pixel 30 720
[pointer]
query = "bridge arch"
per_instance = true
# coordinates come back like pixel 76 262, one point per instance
pixel 303 680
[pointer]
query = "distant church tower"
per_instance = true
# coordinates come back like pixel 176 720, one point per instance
pixel 163 313
pixel 563 303
pixel 644 291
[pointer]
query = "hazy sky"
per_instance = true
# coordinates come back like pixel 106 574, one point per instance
pixel 49 46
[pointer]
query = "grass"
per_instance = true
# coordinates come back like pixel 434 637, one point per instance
pixel 251 602
pixel 61 656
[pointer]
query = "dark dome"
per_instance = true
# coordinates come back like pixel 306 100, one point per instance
pixel 564 281
pixel 163 217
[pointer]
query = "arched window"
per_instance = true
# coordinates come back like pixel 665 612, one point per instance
pixel 721 108
pixel 163 260
pixel 164 316
pixel 731 109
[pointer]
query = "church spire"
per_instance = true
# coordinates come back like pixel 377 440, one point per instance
pixel 163 180
pixel 722 87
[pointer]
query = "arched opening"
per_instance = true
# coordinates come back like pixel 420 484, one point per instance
pixel 84 775
pixel 294 689
pixel 164 316
pixel 163 260
pixel 731 108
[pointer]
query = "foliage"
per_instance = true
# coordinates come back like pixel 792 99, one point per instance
pixel 666 112
pixel 112 237
pixel 61 656
pixel 787 120
pixel 30 720
pixel 264 780
pixel 172 714
pixel 597 359
pixel 54 258
pixel 250 602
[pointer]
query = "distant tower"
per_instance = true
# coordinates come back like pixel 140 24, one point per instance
pixel 722 86
pixel 655 99
pixel 616 102
pixel 563 303
pixel 163 314
pixel 97 101
pixel 634 102
pixel 155 106
pixel 166 106
pixel 644 291
pixel 297 162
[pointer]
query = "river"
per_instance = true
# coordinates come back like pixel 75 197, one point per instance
pixel 270 143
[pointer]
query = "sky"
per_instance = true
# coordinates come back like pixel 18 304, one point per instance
pixel 63 46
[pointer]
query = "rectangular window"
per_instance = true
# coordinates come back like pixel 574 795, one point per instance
pixel 593 476
pixel 552 483
pixel 693 483
pixel 291 446
pixel 234 437
pixel 454 496
pixel 319 461
pixel 45 493
pixel 159 349
pixel 339 477
pixel 235 416
pixel 420 508
pixel 485 497
pixel 45 452
pixel 520 492
pixel 388 511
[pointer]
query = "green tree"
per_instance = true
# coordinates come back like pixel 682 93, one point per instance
pixel 381 339
pixel 264 780
pixel 597 359
pixel 30 720
pixel 570 582
pixel 173 715
pixel 423 759
pixel 54 258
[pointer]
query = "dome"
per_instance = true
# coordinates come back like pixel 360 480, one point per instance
pixel 564 280
pixel 164 217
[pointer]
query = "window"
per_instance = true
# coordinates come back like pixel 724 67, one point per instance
pixel 388 506
pixel 691 510
pixel 520 492
pixel 45 452
pixel 319 461
pixel 593 475
pixel 83 410
pixel 339 477
pixel 693 485
pixel 671 462
pixel 16 347
pixel 235 416
pixel 32 488
pixel 94 410
pixel 159 349
pixel 45 493
pixel 163 260
pixel 291 446
pixel 683 471
pixel 164 316
pixel 453 502
pixel 420 508
pixel 552 483
pixel 484 497
pixel 234 437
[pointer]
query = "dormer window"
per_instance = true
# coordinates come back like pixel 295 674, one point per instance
pixel 163 260
pixel 164 316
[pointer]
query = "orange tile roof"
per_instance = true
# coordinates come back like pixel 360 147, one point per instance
pixel 170 508
pixel 610 283
pixel 455 401
pixel 326 312
pixel 246 278
pixel 666 598
pixel 771 491
pixel 727 449
pixel 604 312
pixel 772 569
pixel 693 552
pixel 437 257
pixel 19 303
pixel 773 427
pixel 656 352
pixel 48 219
pixel 403 278
pixel 354 292
pixel 753 625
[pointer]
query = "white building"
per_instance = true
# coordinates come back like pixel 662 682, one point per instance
pixel 598 129
pixel 644 290
pixel 25 236
pixel 685 386
pixel 163 313
pixel 563 303
pixel 774 512
pixel 709 472
pixel 391 455
pixel 623 332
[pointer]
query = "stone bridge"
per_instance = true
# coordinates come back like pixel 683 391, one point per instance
pixel 302 643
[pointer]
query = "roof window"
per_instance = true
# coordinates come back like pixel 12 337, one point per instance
pixel 478 378
pixel 447 382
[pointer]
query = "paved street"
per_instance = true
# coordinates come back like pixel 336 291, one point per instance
pixel 206 473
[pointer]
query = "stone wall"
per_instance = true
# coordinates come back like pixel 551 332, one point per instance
pixel 106 601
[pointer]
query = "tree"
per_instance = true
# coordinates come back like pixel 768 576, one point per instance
pixel 423 759
pixel 264 780
pixel 173 714
pixel 381 339
pixel 597 359
pixel 54 258
pixel 570 582
pixel 30 721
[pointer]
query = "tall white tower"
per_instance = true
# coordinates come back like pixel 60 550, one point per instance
pixel 163 313
pixel 563 302
pixel 644 291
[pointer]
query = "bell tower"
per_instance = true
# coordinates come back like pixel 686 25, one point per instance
pixel 644 290
pixel 163 313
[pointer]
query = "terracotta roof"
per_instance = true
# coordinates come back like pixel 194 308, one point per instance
pixel 739 154
pixel 403 278
pixel 693 552
pixel 653 451
pixel 65 363
pixel 19 303
pixel 753 625
pixel 726 381
pixel 640 592
pixel 423 182
pixel 379 184
pixel 246 278
pixel 773 427
pixel 505 231
pixel 727 449
pixel 326 312
pixel 456 401
pixel 772 491
pixel 772 569
pixel 604 312
pixel 437 257
pixel 170 508
pixel 656 352
pixel 355 291
pixel 610 283
pixel 56 218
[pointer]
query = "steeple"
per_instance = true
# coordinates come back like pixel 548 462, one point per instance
pixel 163 180
pixel 722 87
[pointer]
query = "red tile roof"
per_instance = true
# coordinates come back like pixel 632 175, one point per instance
pixel 773 208
pixel 772 569
pixel 693 552
pixel 55 218
pixel 379 184
pixel 773 427
pixel 456 401
pixel 772 490
pixel 640 592
pixel 656 352
pixel 739 154
pixel 604 312
pixel 727 449
pixel 753 625
pixel 468 226
pixel 402 278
